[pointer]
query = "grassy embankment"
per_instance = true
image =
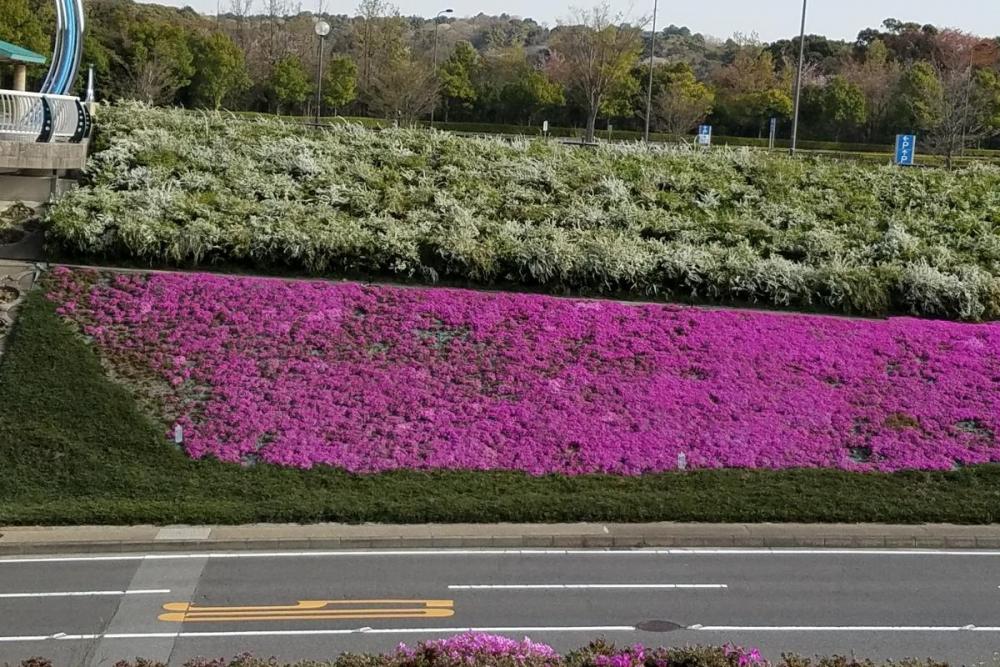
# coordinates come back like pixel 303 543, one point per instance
pixel 76 449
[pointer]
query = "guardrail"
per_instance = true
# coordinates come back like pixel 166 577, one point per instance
pixel 37 117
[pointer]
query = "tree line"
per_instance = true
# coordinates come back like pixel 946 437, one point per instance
pixel 592 69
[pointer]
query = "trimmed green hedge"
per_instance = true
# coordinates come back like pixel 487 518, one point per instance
pixel 885 151
pixel 77 449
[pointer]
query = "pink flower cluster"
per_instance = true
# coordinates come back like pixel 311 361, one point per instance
pixel 479 648
pixel 744 657
pixel 373 378
pixel 638 655
pixel 632 656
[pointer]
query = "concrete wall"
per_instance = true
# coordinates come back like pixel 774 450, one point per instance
pixel 28 155
pixel 32 189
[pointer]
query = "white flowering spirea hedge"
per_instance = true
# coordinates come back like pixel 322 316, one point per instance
pixel 183 188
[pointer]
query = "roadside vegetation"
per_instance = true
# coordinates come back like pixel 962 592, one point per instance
pixel 370 378
pixel 77 448
pixel 732 226
pixel 483 650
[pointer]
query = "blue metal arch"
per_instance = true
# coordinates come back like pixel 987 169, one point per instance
pixel 68 48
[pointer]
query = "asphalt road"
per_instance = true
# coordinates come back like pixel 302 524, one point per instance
pixel 82 610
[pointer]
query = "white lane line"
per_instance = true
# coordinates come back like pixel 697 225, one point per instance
pixel 360 553
pixel 308 633
pixel 844 628
pixel 73 594
pixel 540 587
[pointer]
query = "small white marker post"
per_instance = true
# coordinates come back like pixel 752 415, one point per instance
pixel 545 128
pixel 178 435
pixel 682 461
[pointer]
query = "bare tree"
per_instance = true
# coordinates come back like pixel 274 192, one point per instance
pixel 369 12
pixel 958 121
pixel 405 91
pixel 678 109
pixel 877 77
pixel 242 10
pixel 277 35
pixel 592 54
pixel 154 80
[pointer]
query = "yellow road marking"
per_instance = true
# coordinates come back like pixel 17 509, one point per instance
pixel 311 610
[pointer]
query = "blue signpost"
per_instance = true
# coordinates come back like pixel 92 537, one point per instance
pixel 906 149
pixel 705 135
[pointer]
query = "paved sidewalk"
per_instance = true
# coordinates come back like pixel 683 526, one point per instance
pixel 93 539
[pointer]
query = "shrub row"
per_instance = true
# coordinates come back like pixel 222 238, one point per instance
pixel 882 152
pixel 729 225
pixel 478 650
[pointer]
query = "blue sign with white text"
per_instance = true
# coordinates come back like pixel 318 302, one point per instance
pixel 704 135
pixel 906 149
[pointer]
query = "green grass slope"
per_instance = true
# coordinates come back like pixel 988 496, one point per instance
pixel 75 448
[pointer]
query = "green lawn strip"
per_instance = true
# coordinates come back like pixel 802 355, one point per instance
pixel 76 448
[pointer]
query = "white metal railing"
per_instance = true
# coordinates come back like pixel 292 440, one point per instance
pixel 35 117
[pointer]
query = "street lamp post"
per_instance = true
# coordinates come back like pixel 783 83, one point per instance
pixel 435 56
pixel 322 29
pixel 798 79
pixel 649 86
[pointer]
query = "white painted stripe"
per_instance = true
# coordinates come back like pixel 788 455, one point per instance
pixel 844 628
pixel 308 633
pixel 539 587
pixel 73 594
pixel 360 553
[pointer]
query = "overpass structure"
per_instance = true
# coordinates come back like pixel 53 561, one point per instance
pixel 53 114
pixel 46 131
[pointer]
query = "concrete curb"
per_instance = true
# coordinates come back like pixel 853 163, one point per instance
pixel 274 537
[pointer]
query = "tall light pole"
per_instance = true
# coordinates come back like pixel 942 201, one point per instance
pixel 649 86
pixel 798 79
pixel 322 29
pixel 435 57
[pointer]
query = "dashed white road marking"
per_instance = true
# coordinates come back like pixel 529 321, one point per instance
pixel 308 633
pixel 844 628
pixel 542 587
pixel 73 594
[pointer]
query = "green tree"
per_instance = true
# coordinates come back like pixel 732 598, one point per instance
pixel 593 58
pixel 750 92
pixel 877 77
pixel 221 70
pixel 680 100
pixel 159 60
pixel 456 75
pixel 919 98
pixel 22 26
pixel 288 85
pixel 529 94
pixel 340 83
pixel 986 99
pixel 836 109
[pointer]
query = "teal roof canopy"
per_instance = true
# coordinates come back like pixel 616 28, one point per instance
pixel 14 53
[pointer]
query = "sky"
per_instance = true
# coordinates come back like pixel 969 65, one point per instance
pixel 770 19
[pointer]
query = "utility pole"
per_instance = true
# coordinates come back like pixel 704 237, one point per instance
pixel 435 57
pixel 322 29
pixel 798 79
pixel 968 98
pixel 649 86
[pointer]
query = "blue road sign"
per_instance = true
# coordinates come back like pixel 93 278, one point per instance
pixel 906 149
pixel 704 135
